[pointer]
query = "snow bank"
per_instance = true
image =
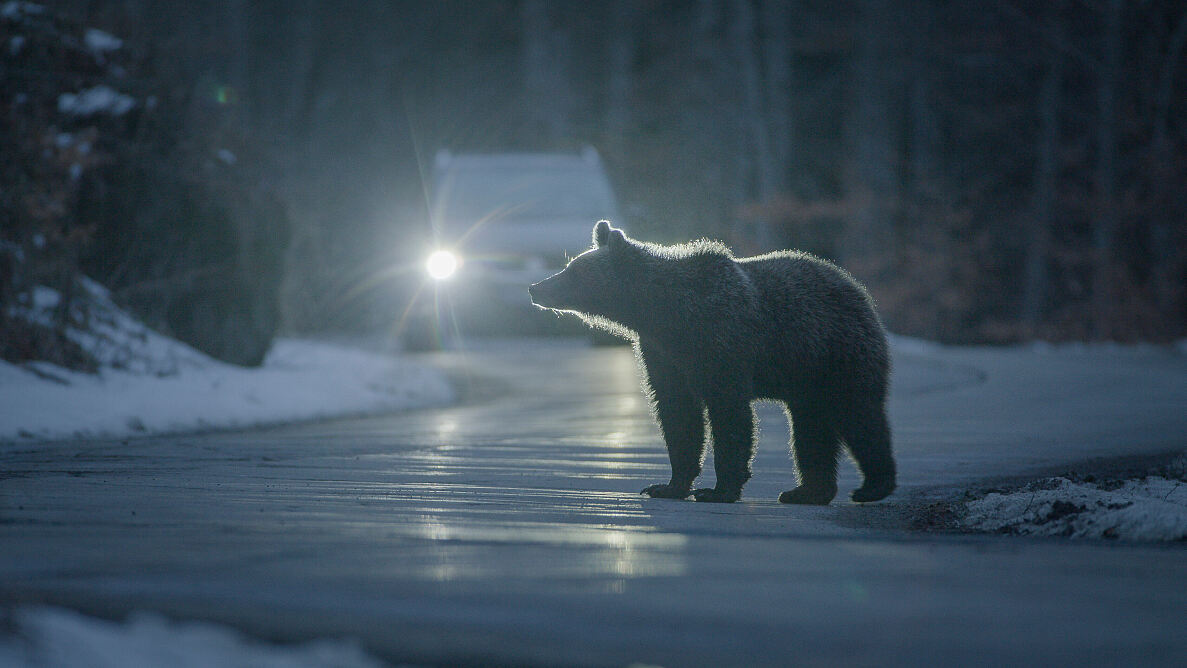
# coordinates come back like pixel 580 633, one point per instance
pixel 116 340
pixel 55 638
pixel 1148 509
pixel 300 380
pixel 149 383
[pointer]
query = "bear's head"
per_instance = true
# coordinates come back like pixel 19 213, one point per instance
pixel 595 284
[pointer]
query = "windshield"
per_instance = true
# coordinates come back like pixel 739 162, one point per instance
pixel 522 190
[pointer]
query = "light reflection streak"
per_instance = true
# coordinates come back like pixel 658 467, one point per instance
pixel 615 552
pixel 446 427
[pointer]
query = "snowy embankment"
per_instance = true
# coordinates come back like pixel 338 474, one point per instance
pixel 55 638
pixel 148 383
pixel 1149 508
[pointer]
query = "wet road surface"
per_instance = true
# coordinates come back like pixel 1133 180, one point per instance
pixel 509 529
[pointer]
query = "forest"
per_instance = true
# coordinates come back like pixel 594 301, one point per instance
pixel 994 172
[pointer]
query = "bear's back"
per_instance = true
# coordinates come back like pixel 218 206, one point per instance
pixel 800 280
pixel 814 311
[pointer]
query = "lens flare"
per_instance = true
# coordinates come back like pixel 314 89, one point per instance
pixel 441 265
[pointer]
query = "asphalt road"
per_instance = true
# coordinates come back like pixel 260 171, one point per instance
pixel 508 529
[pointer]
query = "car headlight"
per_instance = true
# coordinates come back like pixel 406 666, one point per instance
pixel 441 265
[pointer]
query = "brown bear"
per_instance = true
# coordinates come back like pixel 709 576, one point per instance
pixel 715 333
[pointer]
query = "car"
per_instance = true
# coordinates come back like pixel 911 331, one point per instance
pixel 500 222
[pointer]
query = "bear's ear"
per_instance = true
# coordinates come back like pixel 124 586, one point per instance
pixel 601 233
pixel 617 239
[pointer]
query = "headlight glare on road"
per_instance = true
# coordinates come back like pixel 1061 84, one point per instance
pixel 441 265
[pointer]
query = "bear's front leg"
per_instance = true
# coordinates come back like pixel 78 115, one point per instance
pixel 681 418
pixel 732 422
pixel 682 421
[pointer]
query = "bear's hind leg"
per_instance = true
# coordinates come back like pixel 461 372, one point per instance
pixel 867 435
pixel 732 422
pixel 815 446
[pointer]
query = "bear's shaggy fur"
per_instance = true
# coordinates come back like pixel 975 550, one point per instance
pixel 714 333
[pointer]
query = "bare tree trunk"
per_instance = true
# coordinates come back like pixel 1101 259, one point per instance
pixel 301 75
pixel 756 168
pixel 1105 224
pixel 743 40
pixel 1038 249
pixel 776 22
pixel 706 17
pixel 546 86
pixel 1166 82
pixel 239 27
pixel 872 179
pixel 924 138
pixel 716 107
pixel 621 56
pixel 1167 253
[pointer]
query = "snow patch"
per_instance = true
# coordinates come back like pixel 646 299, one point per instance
pixel 57 638
pixel 1149 509
pixel 13 9
pixel 100 99
pixel 117 340
pixel 100 42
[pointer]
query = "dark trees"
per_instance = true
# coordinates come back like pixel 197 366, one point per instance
pixel 994 171
pixel 113 172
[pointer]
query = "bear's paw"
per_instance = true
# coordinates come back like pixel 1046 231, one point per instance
pixel 873 490
pixel 809 496
pixel 714 495
pixel 662 491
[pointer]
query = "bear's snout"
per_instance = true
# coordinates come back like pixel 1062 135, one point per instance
pixel 547 293
pixel 538 292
